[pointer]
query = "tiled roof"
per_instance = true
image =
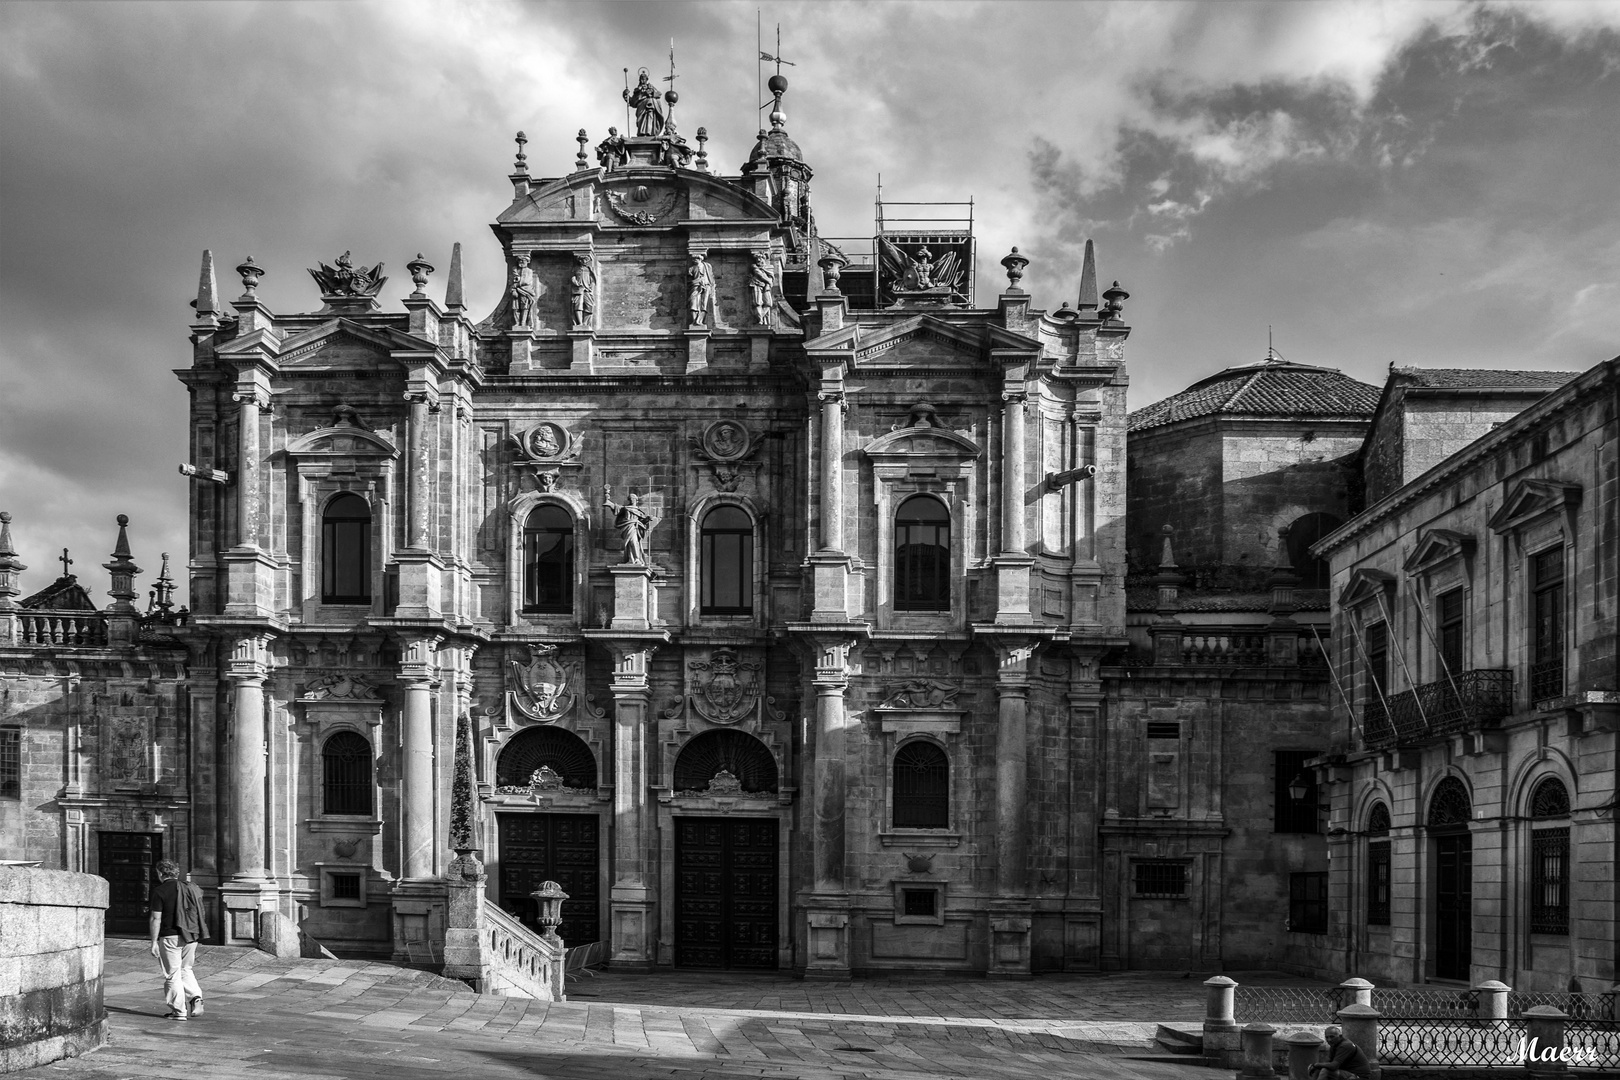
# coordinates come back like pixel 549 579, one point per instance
pixel 1269 388
pixel 1484 378
pixel 63 594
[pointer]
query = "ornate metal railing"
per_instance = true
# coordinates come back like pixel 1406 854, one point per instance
pixel 1593 1044
pixel 60 629
pixel 1464 702
pixel 1289 1004
pixel 1575 1006
pixel 1547 679
pixel 1445 1042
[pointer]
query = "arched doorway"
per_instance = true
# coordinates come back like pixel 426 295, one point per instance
pixel 1449 813
pixel 535 847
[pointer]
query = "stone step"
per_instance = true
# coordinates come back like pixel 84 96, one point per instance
pixel 1179 1040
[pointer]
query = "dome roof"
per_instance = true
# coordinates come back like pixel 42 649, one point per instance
pixel 775 144
pixel 1273 388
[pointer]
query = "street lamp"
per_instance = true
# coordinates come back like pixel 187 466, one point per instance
pixel 1300 786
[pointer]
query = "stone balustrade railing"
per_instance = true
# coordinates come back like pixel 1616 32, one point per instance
pixel 60 629
pixel 522 963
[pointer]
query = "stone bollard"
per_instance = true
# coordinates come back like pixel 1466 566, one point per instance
pixel 1221 1038
pixel 1257 1061
pixel 1304 1049
pixel 1493 1000
pixel 1356 992
pixel 1544 1041
pixel 1360 1023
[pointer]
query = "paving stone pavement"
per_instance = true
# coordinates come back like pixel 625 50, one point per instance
pixel 268 1019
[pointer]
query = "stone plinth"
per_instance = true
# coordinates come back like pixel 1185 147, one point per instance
pixel 50 966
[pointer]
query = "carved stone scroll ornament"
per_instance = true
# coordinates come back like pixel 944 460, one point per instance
pixel 340 687
pixel 642 205
pixel 729 687
pixel 545 689
pixel 923 694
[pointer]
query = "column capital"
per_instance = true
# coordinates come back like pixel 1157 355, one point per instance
pixel 249 661
pixel 417 661
pixel 829 651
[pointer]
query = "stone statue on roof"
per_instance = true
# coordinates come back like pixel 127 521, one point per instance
pixel 649 113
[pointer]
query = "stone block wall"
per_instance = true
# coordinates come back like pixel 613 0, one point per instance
pixel 50 966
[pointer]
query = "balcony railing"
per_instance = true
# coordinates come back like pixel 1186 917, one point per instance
pixel 1547 679
pixel 59 629
pixel 1464 702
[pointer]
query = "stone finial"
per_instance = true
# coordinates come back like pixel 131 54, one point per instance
pixel 521 165
pixel 207 302
pixel 1168 579
pixel 1088 281
pixel 123 570
pixel 832 266
pixel 777 85
pixel 454 298
pixel 1282 580
pixel 10 565
pixel 582 160
pixel 163 591
pixel 419 269
pixel 703 149
pixel 251 273
pixel 1015 264
pixel 1114 299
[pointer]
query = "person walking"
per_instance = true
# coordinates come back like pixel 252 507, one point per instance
pixel 176 924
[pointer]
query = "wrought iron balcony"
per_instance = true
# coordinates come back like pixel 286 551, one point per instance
pixel 1466 701
pixel 1547 679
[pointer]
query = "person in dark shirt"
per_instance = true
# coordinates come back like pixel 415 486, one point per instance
pixel 1345 1059
pixel 176 924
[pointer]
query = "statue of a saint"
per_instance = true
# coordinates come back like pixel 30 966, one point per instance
pixel 649 114
pixel 632 522
pixel 582 289
pixel 762 284
pixel 610 152
pixel 700 289
pixel 523 294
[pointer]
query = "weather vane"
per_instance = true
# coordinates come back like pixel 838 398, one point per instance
pixel 759 41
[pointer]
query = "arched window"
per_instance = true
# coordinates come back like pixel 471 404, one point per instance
pixel 726 550
pixel 1549 859
pixel 346 551
pixel 1550 800
pixel 747 761
pixel 346 774
pixel 1450 806
pixel 553 748
pixel 1379 862
pixel 548 561
pixel 1378 820
pixel 922 786
pixel 1305 531
pixel 922 555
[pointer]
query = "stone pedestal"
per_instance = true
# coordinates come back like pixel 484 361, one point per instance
pixel 697 350
pixel 421 576
pixel 464 955
pixel 635 598
pixel 759 349
pixel 241 903
pixel 419 922
pixel 522 347
pixel 250 582
pixel 827 951
pixel 1010 922
pixel 582 352
pixel 829 583
pixel 1012 589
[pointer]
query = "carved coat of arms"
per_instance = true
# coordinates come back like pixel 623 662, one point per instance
pixel 923 694
pixel 542 690
pixel 127 739
pixel 730 690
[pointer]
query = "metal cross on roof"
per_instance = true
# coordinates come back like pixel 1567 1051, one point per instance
pixel 66 562
pixel 777 59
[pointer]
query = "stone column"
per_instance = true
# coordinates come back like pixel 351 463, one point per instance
pixel 247 467
pixel 832 470
pixel 418 465
pixel 1304 1047
pixel 827 906
pixel 416 774
pixel 1010 913
pixel 250 890
pixel 1012 472
pixel 631 905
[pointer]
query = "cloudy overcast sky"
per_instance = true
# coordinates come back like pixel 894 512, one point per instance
pixel 1416 183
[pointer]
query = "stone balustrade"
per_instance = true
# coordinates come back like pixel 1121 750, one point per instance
pixel 521 962
pixel 50 965
pixel 61 629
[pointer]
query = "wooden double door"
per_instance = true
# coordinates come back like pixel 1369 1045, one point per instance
pixel 1454 905
pixel 565 848
pixel 726 892
pixel 128 860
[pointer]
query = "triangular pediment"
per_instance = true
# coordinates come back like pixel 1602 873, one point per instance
pixel 646 197
pixel 346 440
pixel 1366 584
pixel 1532 499
pixel 923 340
pixel 1436 547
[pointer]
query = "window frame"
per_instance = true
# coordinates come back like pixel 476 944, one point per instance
pixel 11 741
pixel 1549 881
pixel 1450 631
pixel 1171 872
pixel 1308 913
pixel 1548 609
pixel 366 783
pixel 528 576
pixel 907 594
pixel 938 800
pixel 1375 687
pixel 744 572
pixel 331 551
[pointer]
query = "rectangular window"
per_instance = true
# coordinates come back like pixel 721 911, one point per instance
pixel 727 572
pixel 1291 815
pixel 1307 903
pixel 1170 729
pixel 1449 615
pixel 1377 662
pixel 1378 872
pixel 1161 879
pixel 1547 624
pixel 921 903
pixel 345 886
pixel 10 763
pixel 1549 881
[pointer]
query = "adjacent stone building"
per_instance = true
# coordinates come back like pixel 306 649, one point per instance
pixel 1472 780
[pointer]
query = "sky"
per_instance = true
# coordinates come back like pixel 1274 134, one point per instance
pixel 1426 184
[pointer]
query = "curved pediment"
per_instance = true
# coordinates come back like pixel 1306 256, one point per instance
pixel 342 439
pixel 645 197
pixel 920 440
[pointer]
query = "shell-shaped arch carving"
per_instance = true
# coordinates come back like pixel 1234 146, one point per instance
pixel 726 761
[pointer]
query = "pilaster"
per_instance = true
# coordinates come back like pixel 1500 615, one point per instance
pixel 1014 562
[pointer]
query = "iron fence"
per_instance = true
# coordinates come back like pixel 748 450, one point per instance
pixel 1419 1004
pixel 1288 1004
pixel 1446 1042
pixel 1593 1044
pixel 1575 1006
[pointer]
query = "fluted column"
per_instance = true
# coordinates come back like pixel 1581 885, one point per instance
pixel 416 759
pixel 832 470
pixel 1012 472
pixel 418 465
pixel 247 467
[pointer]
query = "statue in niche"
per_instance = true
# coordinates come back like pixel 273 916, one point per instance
pixel 762 284
pixel 632 522
pixel 649 114
pixel 610 152
pixel 700 289
pixel 523 294
pixel 582 289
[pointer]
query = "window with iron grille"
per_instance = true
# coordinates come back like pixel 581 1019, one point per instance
pixel 727 556
pixel 1550 799
pixel 346 551
pixel 922 555
pixel 1449 615
pixel 1164 729
pixel 1547 628
pixel 1307 903
pixel 1377 685
pixel 1291 815
pixel 1161 878
pixel 922 786
pixel 1549 881
pixel 345 886
pixel 1378 872
pixel 548 561
pixel 920 902
pixel 346 763
pixel 10 763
